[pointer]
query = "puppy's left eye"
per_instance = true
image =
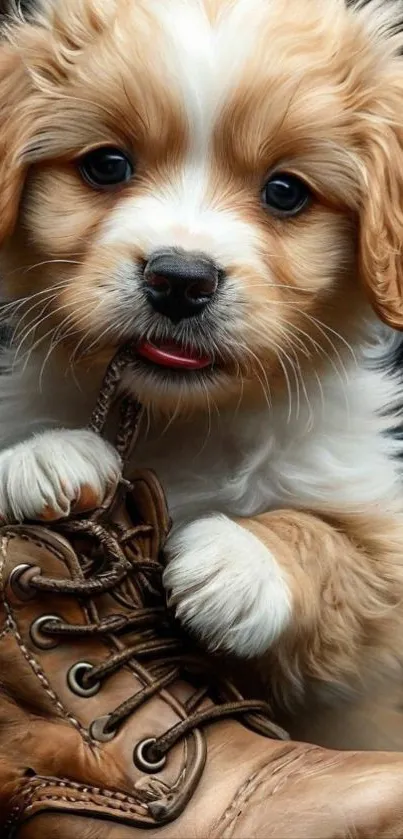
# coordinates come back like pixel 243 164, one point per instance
pixel 285 194
pixel 105 168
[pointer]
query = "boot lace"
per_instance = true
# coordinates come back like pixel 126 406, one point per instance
pixel 159 646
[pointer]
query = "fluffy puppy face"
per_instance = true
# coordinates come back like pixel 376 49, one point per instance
pixel 212 180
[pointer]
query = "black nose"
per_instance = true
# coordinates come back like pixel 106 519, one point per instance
pixel 179 284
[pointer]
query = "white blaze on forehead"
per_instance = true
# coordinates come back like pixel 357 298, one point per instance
pixel 206 57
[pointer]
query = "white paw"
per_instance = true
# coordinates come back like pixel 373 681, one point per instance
pixel 55 472
pixel 226 586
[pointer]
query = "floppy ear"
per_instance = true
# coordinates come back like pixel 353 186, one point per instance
pixel 13 132
pixel 381 220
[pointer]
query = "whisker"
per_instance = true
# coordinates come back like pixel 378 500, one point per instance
pixel 19 302
pixel 336 362
pixel 266 390
pixel 209 423
pixel 328 328
pixel 52 262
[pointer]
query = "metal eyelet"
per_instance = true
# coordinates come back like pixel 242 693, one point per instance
pixel 38 637
pixel 143 762
pixel 19 581
pixel 97 730
pixel 74 679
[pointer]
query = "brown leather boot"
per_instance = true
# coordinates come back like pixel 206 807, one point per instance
pixel 107 730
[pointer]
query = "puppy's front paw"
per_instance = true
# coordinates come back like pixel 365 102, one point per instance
pixel 58 471
pixel 226 586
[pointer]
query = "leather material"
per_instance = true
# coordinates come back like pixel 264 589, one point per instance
pixel 58 779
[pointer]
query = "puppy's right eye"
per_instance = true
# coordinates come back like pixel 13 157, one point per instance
pixel 105 168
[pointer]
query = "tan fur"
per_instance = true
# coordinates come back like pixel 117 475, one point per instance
pixel 346 580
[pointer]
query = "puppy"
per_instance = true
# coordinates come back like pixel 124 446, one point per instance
pixel 219 182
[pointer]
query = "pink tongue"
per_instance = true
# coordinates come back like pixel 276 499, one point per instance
pixel 172 355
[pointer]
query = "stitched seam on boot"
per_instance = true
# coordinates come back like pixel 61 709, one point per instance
pixel 34 792
pixel 243 795
pixel 114 800
pixel 32 661
pixel 21 797
pixel 110 804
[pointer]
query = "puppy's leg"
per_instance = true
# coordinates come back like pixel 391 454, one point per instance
pixel 49 465
pixel 228 586
pixel 321 595
pixel 48 475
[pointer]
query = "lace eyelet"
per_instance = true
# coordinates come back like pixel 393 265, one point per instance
pixel 74 679
pixel 38 637
pixel 97 730
pixel 143 762
pixel 19 581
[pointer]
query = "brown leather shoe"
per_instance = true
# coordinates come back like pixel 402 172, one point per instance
pixel 106 727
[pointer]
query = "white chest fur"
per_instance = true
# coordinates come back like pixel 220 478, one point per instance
pixel 330 452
